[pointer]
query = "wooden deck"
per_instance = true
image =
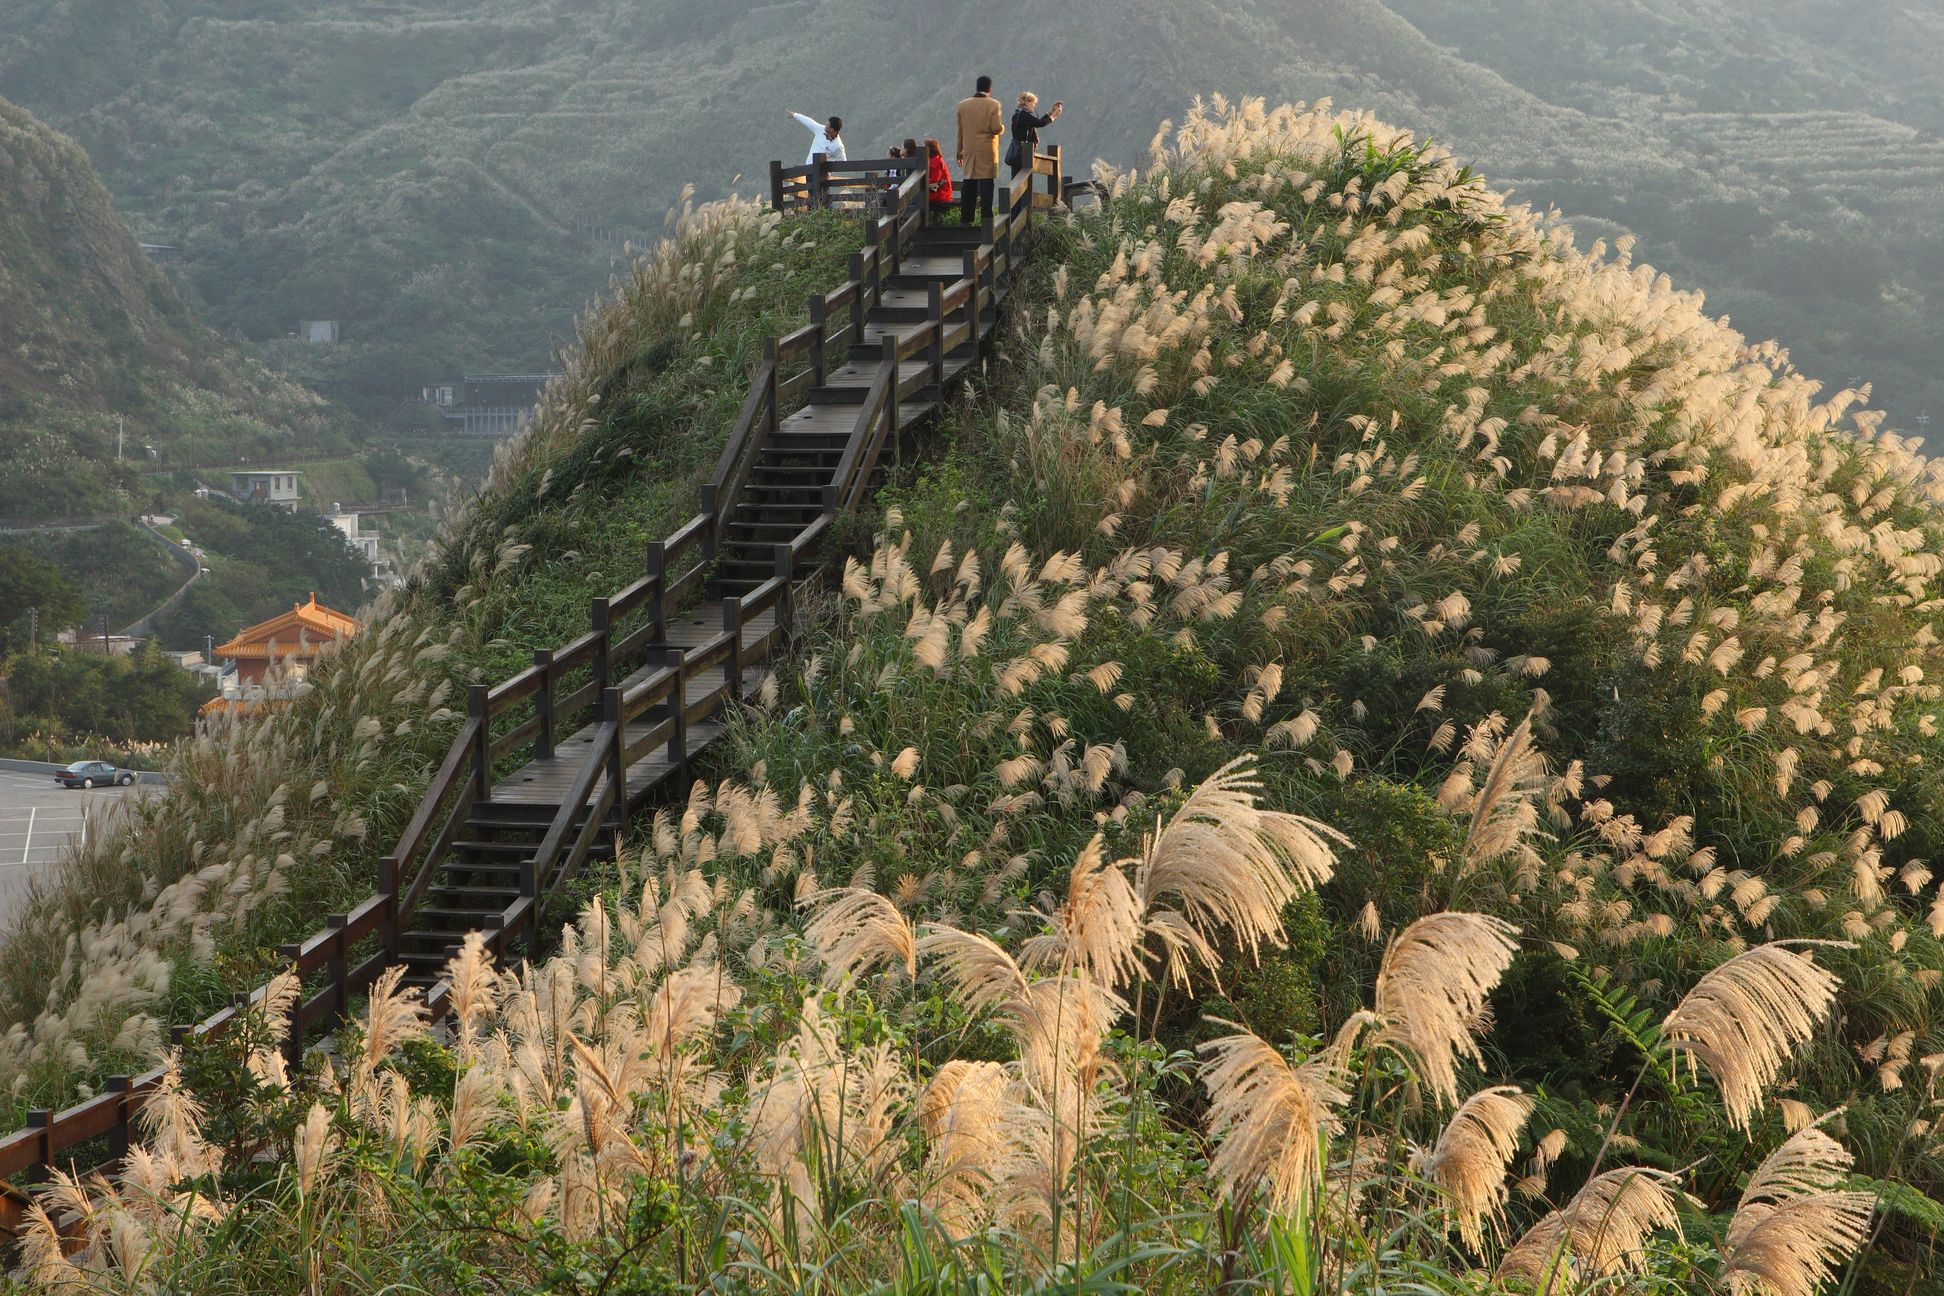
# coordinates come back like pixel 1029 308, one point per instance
pixel 547 781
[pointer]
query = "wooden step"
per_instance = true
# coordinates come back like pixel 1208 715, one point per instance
pixel 853 394
pixel 428 947
pixel 460 919
pixel 495 814
pixel 518 850
pixel 771 453
pixel 781 528
pixel 494 899
pixel 832 437
pixel 803 477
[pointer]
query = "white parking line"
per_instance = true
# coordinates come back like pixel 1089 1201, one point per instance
pixel 33 810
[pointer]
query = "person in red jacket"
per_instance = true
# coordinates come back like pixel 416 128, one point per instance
pixel 938 176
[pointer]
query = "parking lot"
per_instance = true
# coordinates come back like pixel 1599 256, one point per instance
pixel 38 819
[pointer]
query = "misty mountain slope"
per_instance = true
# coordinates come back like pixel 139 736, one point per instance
pixel 91 332
pixel 450 180
pixel 1608 56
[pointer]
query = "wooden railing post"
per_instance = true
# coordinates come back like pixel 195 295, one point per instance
pixel 776 185
pixel 935 338
pixel 293 1038
pixel 972 301
pixel 818 307
pixel 820 182
pixel 597 616
pixel 1059 175
pixel 482 753
pixel 785 569
pixel 118 1136
pixel 732 626
pixel 543 704
pixel 337 965
pixel 617 753
pixel 678 711
pixel 857 300
pixel 388 924
pixel 41 1119
pixel 772 400
pixel 657 605
pixel 893 423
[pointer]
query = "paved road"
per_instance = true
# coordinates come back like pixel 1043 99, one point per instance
pixel 38 819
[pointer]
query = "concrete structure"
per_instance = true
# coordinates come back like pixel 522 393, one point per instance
pixel 325 331
pixel 114 645
pixel 271 657
pixel 367 543
pixel 266 486
pixel 485 404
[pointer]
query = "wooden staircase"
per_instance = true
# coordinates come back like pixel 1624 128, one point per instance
pixel 549 764
pixel 668 652
pixel 795 464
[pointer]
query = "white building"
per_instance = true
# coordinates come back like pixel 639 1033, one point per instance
pixel 365 542
pixel 266 486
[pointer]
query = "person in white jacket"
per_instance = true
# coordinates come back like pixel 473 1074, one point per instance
pixel 827 138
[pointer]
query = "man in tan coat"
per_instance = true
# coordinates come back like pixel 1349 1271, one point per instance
pixel 980 124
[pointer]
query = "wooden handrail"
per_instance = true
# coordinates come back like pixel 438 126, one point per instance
pixel 442 783
pixel 841 488
pixel 759 415
pixel 579 792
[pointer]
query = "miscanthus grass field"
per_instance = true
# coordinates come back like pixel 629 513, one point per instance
pixel 1374 751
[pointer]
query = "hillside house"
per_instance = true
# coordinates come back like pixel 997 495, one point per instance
pixel 485 404
pixel 266 486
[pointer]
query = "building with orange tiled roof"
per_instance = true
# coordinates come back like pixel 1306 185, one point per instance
pixel 287 643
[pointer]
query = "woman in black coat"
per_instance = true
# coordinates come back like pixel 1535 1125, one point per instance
pixel 1026 128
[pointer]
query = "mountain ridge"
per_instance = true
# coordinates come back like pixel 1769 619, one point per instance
pixel 100 359
pixel 435 176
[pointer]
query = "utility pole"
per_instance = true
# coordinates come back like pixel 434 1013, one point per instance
pixel 104 634
pixel 33 628
pixel 118 438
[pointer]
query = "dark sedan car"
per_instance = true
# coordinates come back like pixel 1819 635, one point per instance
pixel 87 774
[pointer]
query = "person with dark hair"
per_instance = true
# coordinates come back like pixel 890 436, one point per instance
pixel 826 138
pixel 980 124
pixel 938 176
pixel 1026 128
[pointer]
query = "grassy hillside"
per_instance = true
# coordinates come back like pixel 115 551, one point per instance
pixel 118 570
pixel 1377 751
pixel 93 338
pixel 452 180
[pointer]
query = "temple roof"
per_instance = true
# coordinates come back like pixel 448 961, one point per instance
pixel 300 632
